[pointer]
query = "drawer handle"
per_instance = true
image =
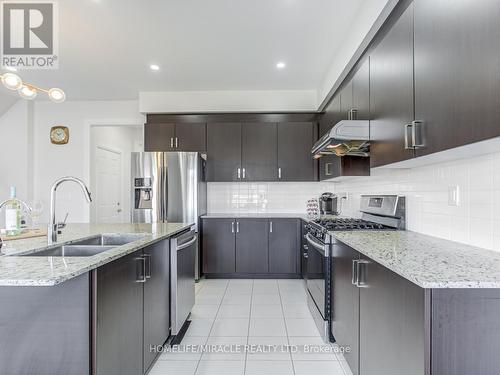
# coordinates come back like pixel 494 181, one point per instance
pixel 414 126
pixel 407 141
pixel 354 280
pixel 147 262
pixel 141 272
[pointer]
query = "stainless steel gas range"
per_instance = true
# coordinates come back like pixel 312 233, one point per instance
pixel 378 212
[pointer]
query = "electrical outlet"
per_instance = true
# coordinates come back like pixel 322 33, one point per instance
pixel 454 196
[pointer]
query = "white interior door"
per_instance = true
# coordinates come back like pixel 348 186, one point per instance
pixel 109 206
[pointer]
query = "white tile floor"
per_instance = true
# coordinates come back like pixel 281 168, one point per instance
pixel 255 314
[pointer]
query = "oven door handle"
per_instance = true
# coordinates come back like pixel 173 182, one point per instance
pixel 317 245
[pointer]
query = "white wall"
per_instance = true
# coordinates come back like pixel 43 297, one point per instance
pixel 367 15
pixel 124 139
pixel 228 101
pixel 54 161
pixel 475 221
pixel 16 150
pixel 269 197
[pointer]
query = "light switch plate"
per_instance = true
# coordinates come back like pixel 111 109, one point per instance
pixel 454 195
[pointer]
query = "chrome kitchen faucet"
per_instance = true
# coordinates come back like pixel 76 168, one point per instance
pixel 53 225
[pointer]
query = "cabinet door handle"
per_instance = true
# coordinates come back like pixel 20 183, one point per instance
pixel 232 227
pixel 270 227
pixel 244 172
pixel 141 270
pixel 239 173
pixel 361 273
pixel 407 141
pixel 176 142
pixel 328 171
pixel 171 142
pixel 279 173
pixel 237 227
pixel 354 280
pixel 147 265
pixel 414 126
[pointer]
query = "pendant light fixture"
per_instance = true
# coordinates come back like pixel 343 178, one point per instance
pixel 12 81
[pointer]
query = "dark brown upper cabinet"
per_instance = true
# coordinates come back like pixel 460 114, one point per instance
pixel 295 141
pixel 346 103
pixel 261 151
pixel 332 166
pixel 191 137
pixel 331 116
pixel 361 90
pixel 224 152
pixel 347 166
pixel 391 91
pixel 175 137
pixel 457 72
pixel 159 137
pixel 259 157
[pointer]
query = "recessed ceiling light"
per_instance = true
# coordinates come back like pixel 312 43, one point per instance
pixel 280 65
pixel 154 67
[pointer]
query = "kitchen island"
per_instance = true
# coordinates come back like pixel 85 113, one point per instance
pixel 96 314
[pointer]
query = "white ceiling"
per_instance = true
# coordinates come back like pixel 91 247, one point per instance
pixel 106 46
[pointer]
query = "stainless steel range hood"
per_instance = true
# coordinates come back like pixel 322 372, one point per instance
pixel 347 137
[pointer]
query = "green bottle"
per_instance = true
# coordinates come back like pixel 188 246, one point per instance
pixel 13 214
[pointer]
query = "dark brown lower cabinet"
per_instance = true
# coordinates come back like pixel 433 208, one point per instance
pixel 244 247
pixel 156 299
pixel 119 313
pixel 392 326
pixel 345 309
pixel 283 244
pixel 132 310
pixel 252 246
pixel 392 314
pixel 219 246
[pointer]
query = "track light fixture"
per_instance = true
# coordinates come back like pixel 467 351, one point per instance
pixel 12 81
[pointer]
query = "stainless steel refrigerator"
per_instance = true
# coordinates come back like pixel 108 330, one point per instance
pixel 169 187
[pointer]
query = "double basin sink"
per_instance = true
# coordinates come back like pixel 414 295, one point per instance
pixel 89 246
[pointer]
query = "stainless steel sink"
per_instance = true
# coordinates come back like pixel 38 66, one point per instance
pixel 110 239
pixel 71 251
pixel 89 246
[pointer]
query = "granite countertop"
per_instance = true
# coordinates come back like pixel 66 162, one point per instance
pixel 428 262
pixel 47 271
pixel 267 215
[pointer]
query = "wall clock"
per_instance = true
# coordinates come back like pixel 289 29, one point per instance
pixel 59 135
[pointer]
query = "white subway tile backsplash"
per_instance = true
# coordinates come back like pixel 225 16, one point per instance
pixel 269 197
pixel 427 191
pixel 476 220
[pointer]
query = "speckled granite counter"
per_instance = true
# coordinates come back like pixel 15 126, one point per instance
pixel 47 271
pixel 427 261
pixel 256 216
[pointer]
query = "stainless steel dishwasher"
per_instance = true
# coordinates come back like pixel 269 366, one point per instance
pixel 182 264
